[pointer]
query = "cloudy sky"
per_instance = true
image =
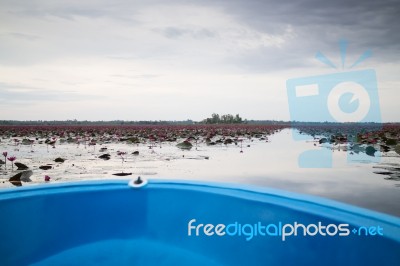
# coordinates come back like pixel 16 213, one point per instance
pixel 176 60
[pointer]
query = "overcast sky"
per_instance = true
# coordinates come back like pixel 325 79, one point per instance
pixel 175 60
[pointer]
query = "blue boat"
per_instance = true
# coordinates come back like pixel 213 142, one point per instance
pixel 164 222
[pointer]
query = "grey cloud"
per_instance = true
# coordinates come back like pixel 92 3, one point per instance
pixel 174 32
pixel 319 24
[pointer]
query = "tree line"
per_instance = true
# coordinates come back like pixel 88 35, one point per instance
pixel 223 119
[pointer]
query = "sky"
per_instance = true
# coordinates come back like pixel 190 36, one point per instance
pixel 178 60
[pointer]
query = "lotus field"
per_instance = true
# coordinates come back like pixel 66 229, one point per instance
pixel 265 155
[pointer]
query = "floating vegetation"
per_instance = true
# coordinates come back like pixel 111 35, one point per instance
pixel 59 160
pixel 99 151
pixel 21 176
pixel 122 174
pixel 21 166
pixel 391 171
pixel 185 145
pixel 105 156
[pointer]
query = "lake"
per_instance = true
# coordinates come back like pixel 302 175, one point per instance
pixel 272 163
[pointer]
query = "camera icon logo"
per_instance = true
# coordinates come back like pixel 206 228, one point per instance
pixel 342 97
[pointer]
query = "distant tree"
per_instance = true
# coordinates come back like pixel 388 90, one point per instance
pixel 223 119
pixel 238 119
pixel 215 118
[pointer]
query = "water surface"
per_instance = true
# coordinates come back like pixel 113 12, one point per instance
pixel 272 163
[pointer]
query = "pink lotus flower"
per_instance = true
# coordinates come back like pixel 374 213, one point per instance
pixel 12 159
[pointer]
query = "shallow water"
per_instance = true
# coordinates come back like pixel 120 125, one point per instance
pixel 273 164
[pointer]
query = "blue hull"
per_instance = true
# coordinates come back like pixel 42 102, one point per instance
pixel 188 223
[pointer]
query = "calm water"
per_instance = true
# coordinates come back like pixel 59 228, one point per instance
pixel 273 164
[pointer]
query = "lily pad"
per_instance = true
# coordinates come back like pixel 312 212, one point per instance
pixel 133 140
pixel 122 174
pixel 393 178
pixel 228 141
pixel 384 173
pixel 105 156
pixel 385 148
pixel 21 166
pixel 397 149
pixel 21 176
pixel 185 145
pixel 391 142
pixel 323 140
pixel 59 160
pixel 370 151
pixel 26 176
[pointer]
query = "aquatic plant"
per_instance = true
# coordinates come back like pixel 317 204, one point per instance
pixel 5 157
pixel 121 154
pixel 12 159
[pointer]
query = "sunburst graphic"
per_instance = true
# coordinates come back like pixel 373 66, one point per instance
pixel 343 52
